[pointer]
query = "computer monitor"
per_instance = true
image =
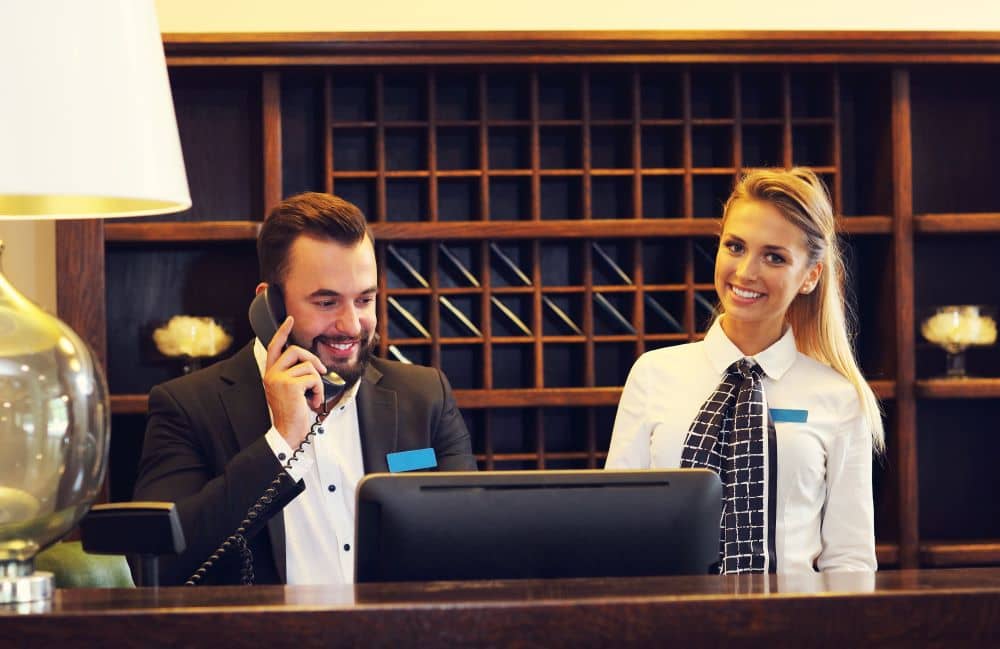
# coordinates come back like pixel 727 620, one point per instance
pixel 537 524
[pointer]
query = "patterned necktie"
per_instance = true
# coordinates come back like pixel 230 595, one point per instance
pixel 733 436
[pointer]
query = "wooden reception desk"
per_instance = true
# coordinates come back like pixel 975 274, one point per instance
pixel 929 608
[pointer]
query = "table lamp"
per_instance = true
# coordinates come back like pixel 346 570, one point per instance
pixel 87 130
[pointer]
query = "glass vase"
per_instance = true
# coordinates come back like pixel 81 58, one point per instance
pixel 955 364
pixel 54 425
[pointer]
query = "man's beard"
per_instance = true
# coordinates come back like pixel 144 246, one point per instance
pixel 351 372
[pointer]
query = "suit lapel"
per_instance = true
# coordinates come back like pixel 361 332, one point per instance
pixel 246 407
pixel 377 421
pixel 243 398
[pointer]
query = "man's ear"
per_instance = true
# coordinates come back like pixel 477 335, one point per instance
pixel 260 288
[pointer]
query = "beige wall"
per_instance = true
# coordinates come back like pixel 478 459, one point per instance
pixel 30 260
pixel 431 15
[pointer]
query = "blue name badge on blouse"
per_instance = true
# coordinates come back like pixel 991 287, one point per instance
pixel 789 415
pixel 421 458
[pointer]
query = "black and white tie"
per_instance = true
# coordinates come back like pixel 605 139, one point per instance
pixel 734 436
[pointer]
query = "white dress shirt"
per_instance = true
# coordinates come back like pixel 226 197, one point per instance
pixel 319 522
pixel 824 515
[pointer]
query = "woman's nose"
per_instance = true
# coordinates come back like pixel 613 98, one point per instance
pixel 747 267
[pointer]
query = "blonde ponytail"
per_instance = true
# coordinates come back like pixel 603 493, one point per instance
pixel 824 330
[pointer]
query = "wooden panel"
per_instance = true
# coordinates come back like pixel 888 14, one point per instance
pixel 271 135
pixel 837 191
pixel 219 119
pixel 865 116
pixel 618 139
pixel 905 453
pixel 955 134
pixel 957 504
pixel 302 124
pixel 380 166
pixel 870 273
pixel 80 295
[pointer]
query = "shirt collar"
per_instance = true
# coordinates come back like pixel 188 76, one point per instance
pixel 260 355
pixel 775 360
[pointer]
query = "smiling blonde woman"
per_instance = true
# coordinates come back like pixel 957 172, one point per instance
pixel 772 399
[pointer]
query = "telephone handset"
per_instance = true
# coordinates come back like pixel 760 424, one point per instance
pixel 267 312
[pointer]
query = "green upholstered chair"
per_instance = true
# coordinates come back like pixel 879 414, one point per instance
pixel 74 568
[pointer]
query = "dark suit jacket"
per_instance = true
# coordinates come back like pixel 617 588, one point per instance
pixel 205 450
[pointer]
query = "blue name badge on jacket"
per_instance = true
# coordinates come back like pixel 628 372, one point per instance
pixel 421 458
pixel 789 415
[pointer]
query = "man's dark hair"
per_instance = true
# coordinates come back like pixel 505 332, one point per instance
pixel 321 216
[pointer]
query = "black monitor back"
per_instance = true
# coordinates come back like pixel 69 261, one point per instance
pixel 537 524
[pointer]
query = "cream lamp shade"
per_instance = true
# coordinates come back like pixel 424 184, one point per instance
pixel 87 126
pixel 87 130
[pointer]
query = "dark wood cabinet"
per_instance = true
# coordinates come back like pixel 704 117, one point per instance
pixel 545 208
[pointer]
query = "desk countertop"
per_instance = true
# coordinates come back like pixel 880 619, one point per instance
pixel 900 608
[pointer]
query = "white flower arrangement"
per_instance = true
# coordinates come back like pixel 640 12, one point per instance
pixel 191 336
pixel 957 327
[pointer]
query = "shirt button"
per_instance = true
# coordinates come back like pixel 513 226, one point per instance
pixel 332 487
pixel 281 456
pixel 347 547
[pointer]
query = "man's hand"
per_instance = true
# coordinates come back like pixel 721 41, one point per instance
pixel 289 374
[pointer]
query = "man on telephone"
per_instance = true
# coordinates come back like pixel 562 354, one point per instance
pixel 216 439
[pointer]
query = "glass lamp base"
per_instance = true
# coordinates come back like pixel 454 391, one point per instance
pixel 190 364
pixel 26 588
pixel 955 365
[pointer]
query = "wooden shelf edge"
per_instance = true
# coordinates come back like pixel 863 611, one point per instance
pixel 957 223
pixel 960 553
pixel 135 404
pixel 182 231
pixel 277 48
pixel 883 389
pixel 617 228
pixel 548 455
pixel 887 554
pixel 128 404
pixel 529 397
pixel 221 231
pixel 972 388
pixel 864 224
pixel 426 231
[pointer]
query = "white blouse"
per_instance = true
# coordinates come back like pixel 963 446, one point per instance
pixel 824 515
